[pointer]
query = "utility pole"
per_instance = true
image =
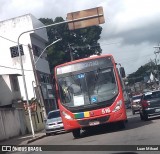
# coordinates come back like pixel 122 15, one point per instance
pixel 25 89
pixel 134 85
pixel 157 52
pixel 152 70
pixel 70 51
pixel 157 67
pixel 39 90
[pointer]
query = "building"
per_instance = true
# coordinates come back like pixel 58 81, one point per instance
pixel 12 121
pixel 10 63
pixel 9 91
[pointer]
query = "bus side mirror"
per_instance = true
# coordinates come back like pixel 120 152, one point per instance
pixel 122 72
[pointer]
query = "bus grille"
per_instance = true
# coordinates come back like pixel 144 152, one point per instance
pixel 87 121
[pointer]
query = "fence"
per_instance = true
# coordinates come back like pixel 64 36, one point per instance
pixel 12 123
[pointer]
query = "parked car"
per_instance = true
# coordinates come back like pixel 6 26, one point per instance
pixel 54 122
pixel 150 104
pixel 135 106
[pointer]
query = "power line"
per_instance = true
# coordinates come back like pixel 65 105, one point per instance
pixel 13 68
pixel 91 46
pixel 127 60
pixel 135 77
pixel 132 59
pixel 16 43
pixel 10 40
pixel 75 47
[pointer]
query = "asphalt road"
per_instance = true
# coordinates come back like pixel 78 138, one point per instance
pixel 137 133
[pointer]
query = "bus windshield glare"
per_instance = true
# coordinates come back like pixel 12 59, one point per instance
pixel 88 87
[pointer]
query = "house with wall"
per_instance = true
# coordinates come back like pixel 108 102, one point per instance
pixel 35 41
pixel 9 90
pixel 12 121
pixel 36 115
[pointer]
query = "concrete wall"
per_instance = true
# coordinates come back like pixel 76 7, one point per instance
pixel 15 122
pixel 12 28
pixel 7 95
pixel 12 123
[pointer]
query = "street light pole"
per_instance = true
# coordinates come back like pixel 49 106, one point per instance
pixel 25 88
pixel 45 49
pixel 39 90
pixel 70 52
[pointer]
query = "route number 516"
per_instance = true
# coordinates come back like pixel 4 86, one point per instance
pixel 105 110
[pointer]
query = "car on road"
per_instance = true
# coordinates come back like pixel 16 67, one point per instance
pixel 150 104
pixel 135 106
pixel 53 123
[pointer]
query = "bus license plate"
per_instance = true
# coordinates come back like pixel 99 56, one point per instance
pixel 93 123
pixel 157 110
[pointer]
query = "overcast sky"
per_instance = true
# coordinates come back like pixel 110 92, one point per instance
pixel 131 29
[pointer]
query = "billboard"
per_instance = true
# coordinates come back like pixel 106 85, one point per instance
pixel 95 14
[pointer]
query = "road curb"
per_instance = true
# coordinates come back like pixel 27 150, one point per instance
pixel 36 138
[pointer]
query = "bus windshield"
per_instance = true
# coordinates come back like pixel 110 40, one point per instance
pixel 89 87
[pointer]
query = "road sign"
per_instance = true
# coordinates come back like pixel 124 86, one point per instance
pixel 95 14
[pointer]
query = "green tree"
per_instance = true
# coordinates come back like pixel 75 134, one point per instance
pixel 143 71
pixel 82 42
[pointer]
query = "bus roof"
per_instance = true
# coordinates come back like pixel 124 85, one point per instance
pixel 84 59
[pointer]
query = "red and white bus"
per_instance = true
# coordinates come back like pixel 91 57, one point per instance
pixel 90 92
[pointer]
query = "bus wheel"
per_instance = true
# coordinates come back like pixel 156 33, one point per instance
pixel 76 133
pixel 141 116
pixel 126 121
pixel 145 117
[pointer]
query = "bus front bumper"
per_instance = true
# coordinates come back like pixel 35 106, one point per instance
pixel 92 121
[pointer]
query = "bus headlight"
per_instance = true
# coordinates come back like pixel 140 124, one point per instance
pixel 118 106
pixel 66 115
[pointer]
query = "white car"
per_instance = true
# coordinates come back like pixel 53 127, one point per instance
pixel 54 122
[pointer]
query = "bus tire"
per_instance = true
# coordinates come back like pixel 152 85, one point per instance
pixel 76 133
pixel 141 116
pixel 145 117
pixel 126 121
